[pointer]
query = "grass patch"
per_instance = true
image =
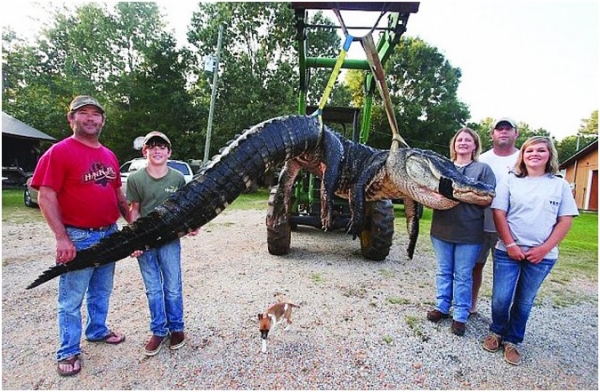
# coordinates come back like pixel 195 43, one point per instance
pixel 578 259
pixel 578 251
pixel 317 278
pixel 414 323
pixel 388 339
pixel 252 201
pixel 577 265
pixel 397 301
pixel 14 209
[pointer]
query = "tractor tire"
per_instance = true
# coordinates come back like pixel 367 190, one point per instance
pixel 376 236
pixel 279 236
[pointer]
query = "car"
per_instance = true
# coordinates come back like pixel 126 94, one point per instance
pixel 139 163
pixel 30 195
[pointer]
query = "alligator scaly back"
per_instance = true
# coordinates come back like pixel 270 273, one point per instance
pixel 219 183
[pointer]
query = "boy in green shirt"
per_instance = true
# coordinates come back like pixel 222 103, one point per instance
pixel 160 267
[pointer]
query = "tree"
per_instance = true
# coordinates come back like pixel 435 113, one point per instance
pixel 484 129
pixel 423 88
pixel 589 126
pixel 135 70
pixel 588 132
pixel 258 66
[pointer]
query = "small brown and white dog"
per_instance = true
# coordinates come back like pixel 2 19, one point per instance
pixel 274 315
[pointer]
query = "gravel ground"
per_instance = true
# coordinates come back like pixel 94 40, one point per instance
pixel 361 324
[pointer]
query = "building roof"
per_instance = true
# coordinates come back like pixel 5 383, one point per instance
pixel 12 126
pixel 579 154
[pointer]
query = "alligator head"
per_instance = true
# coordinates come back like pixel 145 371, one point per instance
pixel 434 181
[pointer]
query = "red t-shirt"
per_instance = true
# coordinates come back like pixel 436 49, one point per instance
pixel 85 180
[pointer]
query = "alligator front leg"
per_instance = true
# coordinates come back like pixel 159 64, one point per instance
pixel 372 172
pixel 333 151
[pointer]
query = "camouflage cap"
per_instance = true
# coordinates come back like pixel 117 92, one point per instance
pixel 157 134
pixel 83 100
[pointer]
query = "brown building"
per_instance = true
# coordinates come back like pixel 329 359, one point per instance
pixel 581 171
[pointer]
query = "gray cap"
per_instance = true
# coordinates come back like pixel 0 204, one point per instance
pixel 509 120
pixel 83 100
pixel 158 135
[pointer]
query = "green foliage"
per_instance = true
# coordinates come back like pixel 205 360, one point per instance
pixel 566 148
pixel 135 70
pixel 587 133
pixel 122 54
pixel 423 88
pixel 589 126
pixel 484 129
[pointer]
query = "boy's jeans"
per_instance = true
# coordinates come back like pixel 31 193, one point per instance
pixel 96 284
pixel 516 284
pixel 454 278
pixel 161 272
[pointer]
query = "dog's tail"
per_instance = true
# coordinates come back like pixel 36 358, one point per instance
pixel 293 305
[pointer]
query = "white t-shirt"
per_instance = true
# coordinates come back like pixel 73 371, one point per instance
pixel 501 166
pixel 533 205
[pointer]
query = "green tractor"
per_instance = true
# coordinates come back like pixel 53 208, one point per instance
pixel 376 237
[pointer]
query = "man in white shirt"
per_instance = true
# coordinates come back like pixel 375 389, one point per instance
pixel 501 158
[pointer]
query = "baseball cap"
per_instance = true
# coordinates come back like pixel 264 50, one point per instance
pixel 158 135
pixel 83 100
pixel 512 122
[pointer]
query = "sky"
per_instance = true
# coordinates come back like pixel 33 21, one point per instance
pixel 534 61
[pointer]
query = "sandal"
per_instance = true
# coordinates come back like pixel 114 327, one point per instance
pixel 492 342
pixel 75 364
pixel 111 338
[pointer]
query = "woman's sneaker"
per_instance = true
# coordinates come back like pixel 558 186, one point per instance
pixel 177 340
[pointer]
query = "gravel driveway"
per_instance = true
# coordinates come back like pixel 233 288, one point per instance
pixel 361 324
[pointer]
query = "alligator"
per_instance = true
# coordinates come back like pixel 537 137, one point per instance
pixel 352 170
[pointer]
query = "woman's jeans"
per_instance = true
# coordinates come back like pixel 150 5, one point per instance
pixel 96 284
pixel 516 284
pixel 454 278
pixel 161 271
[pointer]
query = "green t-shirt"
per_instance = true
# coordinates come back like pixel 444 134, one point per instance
pixel 151 192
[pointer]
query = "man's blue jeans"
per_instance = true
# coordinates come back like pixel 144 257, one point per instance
pixel 454 278
pixel 516 284
pixel 96 284
pixel 161 272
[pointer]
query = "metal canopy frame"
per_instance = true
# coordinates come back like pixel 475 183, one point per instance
pixel 398 14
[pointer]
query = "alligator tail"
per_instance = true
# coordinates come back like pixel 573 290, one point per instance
pixel 217 185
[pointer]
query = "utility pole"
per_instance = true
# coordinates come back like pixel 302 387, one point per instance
pixel 213 95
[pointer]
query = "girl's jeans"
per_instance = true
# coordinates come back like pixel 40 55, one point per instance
pixel 161 272
pixel 96 284
pixel 454 279
pixel 516 284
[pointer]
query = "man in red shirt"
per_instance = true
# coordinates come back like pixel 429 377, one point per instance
pixel 81 199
